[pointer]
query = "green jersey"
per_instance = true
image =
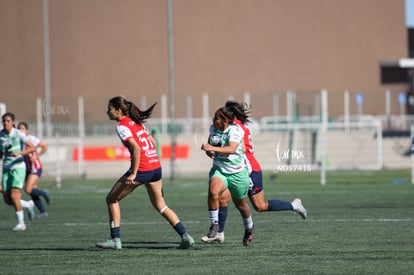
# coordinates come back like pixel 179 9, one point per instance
pixel 228 163
pixel 12 143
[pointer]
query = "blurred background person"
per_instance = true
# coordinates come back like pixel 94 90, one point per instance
pixel 34 170
pixel 154 134
pixel 14 168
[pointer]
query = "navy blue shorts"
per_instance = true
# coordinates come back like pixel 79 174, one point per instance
pixel 147 176
pixel 256 184
pixel 37 172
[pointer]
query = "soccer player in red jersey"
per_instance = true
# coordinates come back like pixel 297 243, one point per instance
pixel 34 170
pixel 145 170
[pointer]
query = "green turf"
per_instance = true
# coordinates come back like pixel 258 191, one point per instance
pixel 359 223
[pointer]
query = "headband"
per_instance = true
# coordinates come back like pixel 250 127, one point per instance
pixel 219 111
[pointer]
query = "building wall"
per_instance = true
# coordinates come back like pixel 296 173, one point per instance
pixel 103 48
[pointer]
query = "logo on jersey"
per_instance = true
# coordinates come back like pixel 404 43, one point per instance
pixel 215 140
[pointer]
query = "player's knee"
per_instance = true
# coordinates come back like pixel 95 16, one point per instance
pixel 110 200
pixel 260 208
pixel 214 194
pixel 224 201
pixel 162 210
pixel 259 205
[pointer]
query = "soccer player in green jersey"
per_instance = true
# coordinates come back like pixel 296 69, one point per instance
pixel 12 142
pixel 225 146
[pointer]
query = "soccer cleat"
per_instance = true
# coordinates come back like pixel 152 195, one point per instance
pixel 43 215
pixel 19 227
pixel 31 211
pixel 212 232
pixel 111 244
pixel 248 236
pixel 298 208
pixel 218 238
pixel 186 241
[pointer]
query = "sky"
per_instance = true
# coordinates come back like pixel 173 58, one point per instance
pixel 409 13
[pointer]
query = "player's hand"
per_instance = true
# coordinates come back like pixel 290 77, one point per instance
pixel 206 147
pixel 131 179
pixel 210 154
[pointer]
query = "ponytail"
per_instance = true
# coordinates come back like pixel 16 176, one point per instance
pixel 241 110
pixel 129 109
pixel 137 115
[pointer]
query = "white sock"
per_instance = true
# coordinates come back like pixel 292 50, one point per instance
pixel 248 223
pixel 27 204
pixel 213 216
pixel 20 217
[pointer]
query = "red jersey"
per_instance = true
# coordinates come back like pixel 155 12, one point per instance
pixel 33 166
pixel 127 129
pixel 251 162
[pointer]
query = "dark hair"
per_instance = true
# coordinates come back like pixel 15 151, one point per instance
pixel 240 110
pixel 24 124
pixel 8 114
pixel 225 113
pixel 129 109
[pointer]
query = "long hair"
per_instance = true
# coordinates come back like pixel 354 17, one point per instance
pixel 240 110
pixel 225 113
pixel 129 109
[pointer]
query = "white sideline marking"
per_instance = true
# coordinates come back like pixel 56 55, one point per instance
pixel 122 223
pixel 375 220
pixel 261 221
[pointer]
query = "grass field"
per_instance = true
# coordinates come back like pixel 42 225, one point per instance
pixel 359 223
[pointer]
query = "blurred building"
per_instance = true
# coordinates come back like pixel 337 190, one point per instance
pixel 103 48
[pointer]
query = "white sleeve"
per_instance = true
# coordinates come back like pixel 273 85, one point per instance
pixel 236 134
pixel 123 132
pixel 34 140
pixel 22 136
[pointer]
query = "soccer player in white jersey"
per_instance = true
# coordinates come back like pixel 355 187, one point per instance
pixel 14 169
pixel 225 146
pixel 34 170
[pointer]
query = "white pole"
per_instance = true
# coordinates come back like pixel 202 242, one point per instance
pixel 291 106
pixel 247 98
pixel 206 117
pixel 324 127
pixel 58 162
pixel 346 110
pixel 143 102
pixel 388 107
pixel 3 108
pixel 46 50
pixel 380 160
pixel 288 106
pixel 275 105
pixel 39 121
pixel 164 118
pixel 189 124
pixel 318 107
pixel 81 125
pixel 171 86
